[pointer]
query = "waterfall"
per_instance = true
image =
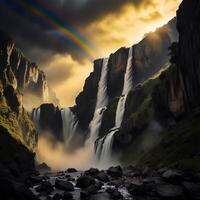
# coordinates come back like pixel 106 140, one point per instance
pixel 69 124
pixel 102 101
pixel 105 148
pixel 36 118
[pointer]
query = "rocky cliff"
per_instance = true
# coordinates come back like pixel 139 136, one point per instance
pixel 149 56
pixel 18 138
pixel 161 121
pixel 22 74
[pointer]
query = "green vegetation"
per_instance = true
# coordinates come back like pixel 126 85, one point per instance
pixel 178 146
pixel 19 126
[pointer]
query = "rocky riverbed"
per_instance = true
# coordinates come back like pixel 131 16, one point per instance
pixel 116 183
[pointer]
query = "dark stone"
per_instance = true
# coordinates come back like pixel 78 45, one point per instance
pixel 192 190
pixel 170 191
pixel 92 172
pixel 115 171
pixel 116 195
pixel 67 196
pixel 51 120
pixel 91 189
pixel 45 187
pixel 102 176
pixel 84 194
pixel 172 176
pixel 85 181
pixel 36 179
pixel 42 168
pixel 71 170
pixel 98 185
pixel 117 182
pixel 64 185
pixel 57 196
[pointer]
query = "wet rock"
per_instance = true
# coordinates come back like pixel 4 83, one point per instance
pixel 98 185
pixel 115 171
pixel 45 187
pixel 92 172
pixel 84 194
pixel 116 195
pixel 91 189
pixel 162 170
pixel 42 168
pixel 172 176
pixel 169 191
pixel 192 190
pixel 67 196
pixel 64 185
pixel 136 189
pixel 36 179
pixel 85 181
pixel 102 176
pixel 71 179
pixel 57 196
pixel 71 170
pixel 117 183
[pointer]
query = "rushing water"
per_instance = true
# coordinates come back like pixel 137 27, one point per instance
pixel 69 124
pixel 36 118
pixel 102 101
pixel 104 147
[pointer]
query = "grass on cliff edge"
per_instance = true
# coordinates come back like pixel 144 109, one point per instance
pixel 177 147
pixel 14 125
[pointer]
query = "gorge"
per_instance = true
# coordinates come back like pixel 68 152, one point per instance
pixel 135 124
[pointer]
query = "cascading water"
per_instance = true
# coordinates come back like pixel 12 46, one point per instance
pixel 104 147
pixel 102 101
pixel 69 124
pixel 36 118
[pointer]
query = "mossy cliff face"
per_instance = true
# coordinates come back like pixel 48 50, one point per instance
pixel 18 138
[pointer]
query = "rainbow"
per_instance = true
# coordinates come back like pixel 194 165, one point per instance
pixel 65 30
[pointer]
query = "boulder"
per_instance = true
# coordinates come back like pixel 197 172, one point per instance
pixel 71 170
pixel 85 181
pixel 102 176
pixel 116 195
pixel 64 185
pixel 172 176
pixel 92 172
pixel 115 171
pixel 57 196
pixel 169 191
pixel 67 196
pixel 46 187
pixel 43 167
pixel 192 190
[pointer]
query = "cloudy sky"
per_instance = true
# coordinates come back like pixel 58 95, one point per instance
pixel 97 28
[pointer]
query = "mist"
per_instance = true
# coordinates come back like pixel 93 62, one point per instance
pixel 58 157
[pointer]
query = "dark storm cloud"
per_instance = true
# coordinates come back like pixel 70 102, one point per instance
pixel 39 40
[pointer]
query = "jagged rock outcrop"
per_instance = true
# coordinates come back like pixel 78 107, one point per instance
pixel 179 92
pixel 18 71
pixel 50 120
pixel 18 138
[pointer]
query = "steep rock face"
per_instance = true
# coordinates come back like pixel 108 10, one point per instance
pixel 150 55
pixel 86 100
pixel 179 92
pixel 171 98
pixel 18 71
pixel 51 120
pixel 18 138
